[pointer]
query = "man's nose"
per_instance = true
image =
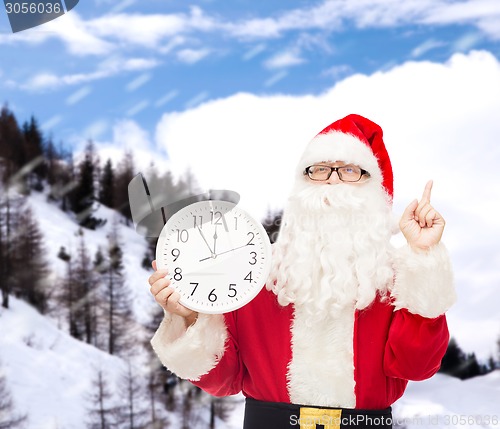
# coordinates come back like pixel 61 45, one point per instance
pixel 334 178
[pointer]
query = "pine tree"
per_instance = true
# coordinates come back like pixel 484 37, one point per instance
pixel 11 205
pixel 60 175
pixel 102 412
pixel 34 153
pixel 29 263
pixel 106 191
pixel 83 196
pixel 78 294
pixel 9 418
pixel 458 364
pixel 221 408
pixel 4 286
pixel 161 381
pixel 498 352
pixel 453 360
pixel 67 296
pixel 125 172
pixel 12 148
pixel 116 305
pixel 159 385
pixel 131 414
pixel 86 292
pixel 472 367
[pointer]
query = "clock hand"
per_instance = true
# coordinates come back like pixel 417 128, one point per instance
pixel 232 250
pixel 205 240
pixel 215 237
pixel 226 251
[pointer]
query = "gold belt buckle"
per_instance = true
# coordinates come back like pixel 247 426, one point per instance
pixel 310 417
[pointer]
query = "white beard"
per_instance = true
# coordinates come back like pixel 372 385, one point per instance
pixel 333 250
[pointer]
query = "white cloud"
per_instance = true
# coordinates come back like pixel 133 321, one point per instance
pixel 275 78
pixel 96 129
pixel 138 107
pixel 51 122
pixel 284 59
pixel 170 95
pixel 466 42
pixel 332 15
pixel 128 136
pixel 197 100
pixel 426 47
pixel 254 51
pixel 163 32
pixel 338 71
pixel 109 67
pixel 192 56
pixel 440 121
pixel 78 95
pixel 138 82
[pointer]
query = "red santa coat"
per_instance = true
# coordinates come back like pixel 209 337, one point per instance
pixel 355 359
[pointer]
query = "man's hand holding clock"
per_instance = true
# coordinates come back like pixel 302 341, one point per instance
pixel 167 297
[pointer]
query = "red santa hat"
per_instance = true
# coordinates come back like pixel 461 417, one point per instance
pixel 354 140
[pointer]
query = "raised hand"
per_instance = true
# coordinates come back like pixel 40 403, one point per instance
pixel 421 224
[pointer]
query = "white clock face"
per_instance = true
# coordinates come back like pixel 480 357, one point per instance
pixel 218 256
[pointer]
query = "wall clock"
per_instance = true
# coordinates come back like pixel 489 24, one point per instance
pixel 218 256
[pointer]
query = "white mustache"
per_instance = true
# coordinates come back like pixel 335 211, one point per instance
pixel 324 197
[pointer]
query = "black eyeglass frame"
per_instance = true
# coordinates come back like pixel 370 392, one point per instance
pixel 336 169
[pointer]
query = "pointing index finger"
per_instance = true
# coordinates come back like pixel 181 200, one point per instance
pixel 426 196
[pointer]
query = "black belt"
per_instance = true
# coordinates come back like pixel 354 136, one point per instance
pixel 279 415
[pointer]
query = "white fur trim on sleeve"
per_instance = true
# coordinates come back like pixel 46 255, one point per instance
pixel 192 352
pixel 424 281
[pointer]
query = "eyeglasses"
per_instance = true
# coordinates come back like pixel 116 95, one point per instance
pixel 346 173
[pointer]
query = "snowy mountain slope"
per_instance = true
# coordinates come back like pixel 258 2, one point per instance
pixel 47 371
pixel 445 401
pixel 60 229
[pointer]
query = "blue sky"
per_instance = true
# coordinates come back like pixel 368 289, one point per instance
pixel 106 61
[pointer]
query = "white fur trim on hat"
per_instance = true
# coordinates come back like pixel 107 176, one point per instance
pixel 338 146
pixel 192 352
pixel 424 281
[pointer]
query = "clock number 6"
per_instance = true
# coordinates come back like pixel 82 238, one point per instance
pixel 212 297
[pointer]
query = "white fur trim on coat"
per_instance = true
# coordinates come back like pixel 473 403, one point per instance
pixel 424 281
pixel 321 371
pixel 338 146
pixel 192 352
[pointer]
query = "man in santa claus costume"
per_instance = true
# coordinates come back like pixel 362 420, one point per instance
pixel 345 319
